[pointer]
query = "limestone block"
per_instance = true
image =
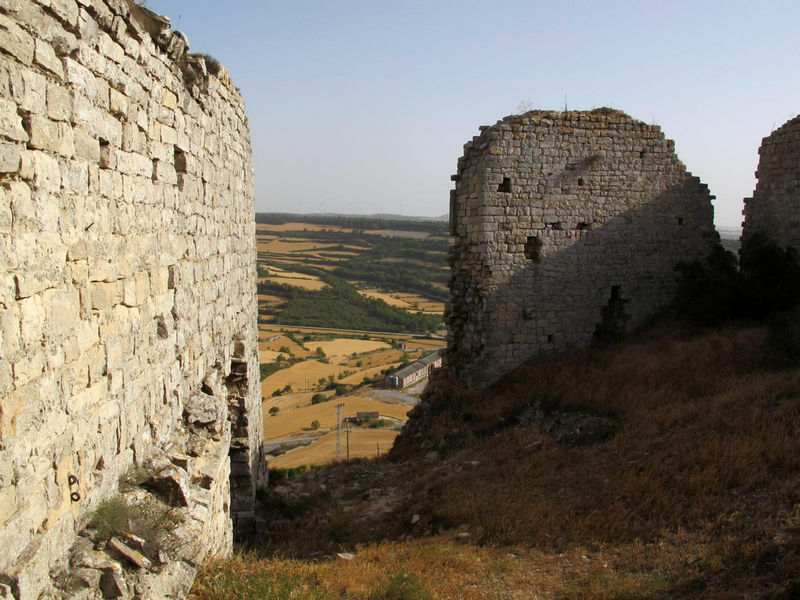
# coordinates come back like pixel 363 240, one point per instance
pixel 59 102
pixel 16 40
pixel 131 163
pixel 87 147
pixel 10 158
pixel 104 295
pixel 110 184
pixel 142 286
pixel 80 77
pixel 62 310
pixel 169 100
pixel 74 180
pixel 34 98
pixel 118 104
pixel 47 174
pixel 85 399
pixel 32 319
pixel 10 121
pixel 102 93
pixel 26 371
pixel 110 49
pixel 55 136
pixel 45 56
pixel 87 27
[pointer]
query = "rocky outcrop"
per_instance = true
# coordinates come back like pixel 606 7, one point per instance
pixel 127 280
pixel 567 226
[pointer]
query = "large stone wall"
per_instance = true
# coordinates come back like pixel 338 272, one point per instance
pixel 567 226
pixel 127 279
pixel 774 208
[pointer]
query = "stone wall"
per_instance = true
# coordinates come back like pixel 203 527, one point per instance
pixel 127 278
pixel 567 226
pixel 774 208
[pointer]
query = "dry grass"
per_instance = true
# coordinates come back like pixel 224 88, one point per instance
pixel 694 491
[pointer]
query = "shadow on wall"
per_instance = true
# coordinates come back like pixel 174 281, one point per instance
pixel 564 283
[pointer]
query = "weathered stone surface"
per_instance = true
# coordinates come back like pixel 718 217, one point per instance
pixel 202 409
pixel 134 557
pixel 112 312
pixel 172 483
pixel 567 226
pixel 112 582
pixel 774 208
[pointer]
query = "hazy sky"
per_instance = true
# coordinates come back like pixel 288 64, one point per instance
pixel 363 106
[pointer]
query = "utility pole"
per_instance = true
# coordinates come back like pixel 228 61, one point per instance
pixel 347 431
pixel 339 408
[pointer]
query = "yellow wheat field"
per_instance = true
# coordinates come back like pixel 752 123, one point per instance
pixel 300 375
pixel 304 282
pixel 291 419
pixel 364 443
pixel 276 342
pixel 347 346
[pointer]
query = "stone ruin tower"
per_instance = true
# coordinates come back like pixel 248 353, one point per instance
pixel 774 208
pixel 567 226
pixel 127 294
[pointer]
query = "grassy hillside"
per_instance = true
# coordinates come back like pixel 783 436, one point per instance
pixel 662 466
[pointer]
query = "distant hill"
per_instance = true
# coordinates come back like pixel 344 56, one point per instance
pixel 363 222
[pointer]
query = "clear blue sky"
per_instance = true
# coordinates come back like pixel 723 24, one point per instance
pixel 363 106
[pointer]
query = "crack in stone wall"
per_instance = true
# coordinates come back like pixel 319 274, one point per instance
pixel 566 226
pixel 127 272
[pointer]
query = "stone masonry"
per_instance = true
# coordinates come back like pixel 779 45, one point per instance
pixel 567 226
pixel 127 281
pixel 775 206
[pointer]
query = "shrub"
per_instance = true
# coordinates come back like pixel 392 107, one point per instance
pixel 341 390
pixel 401 586
pixel 110 518
pixel 715 291
pixel 315 424
pixel 274 410
pixel 318 398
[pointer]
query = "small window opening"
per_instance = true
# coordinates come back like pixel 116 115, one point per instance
pixel 549 338
pixel 533 249
pixel 642 154
pixel 556 225
pixel 583 226
pixel 505 187
pixel 105 154
pixel 154 177
pixel 615 317
pixel 180 160
pixel 680 220
pixel 580 181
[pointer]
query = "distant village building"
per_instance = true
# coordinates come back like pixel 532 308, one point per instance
pixel 414 372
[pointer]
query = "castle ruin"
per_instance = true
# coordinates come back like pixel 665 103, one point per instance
pixel 567 226
pixel 774 208
pixel 127 288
